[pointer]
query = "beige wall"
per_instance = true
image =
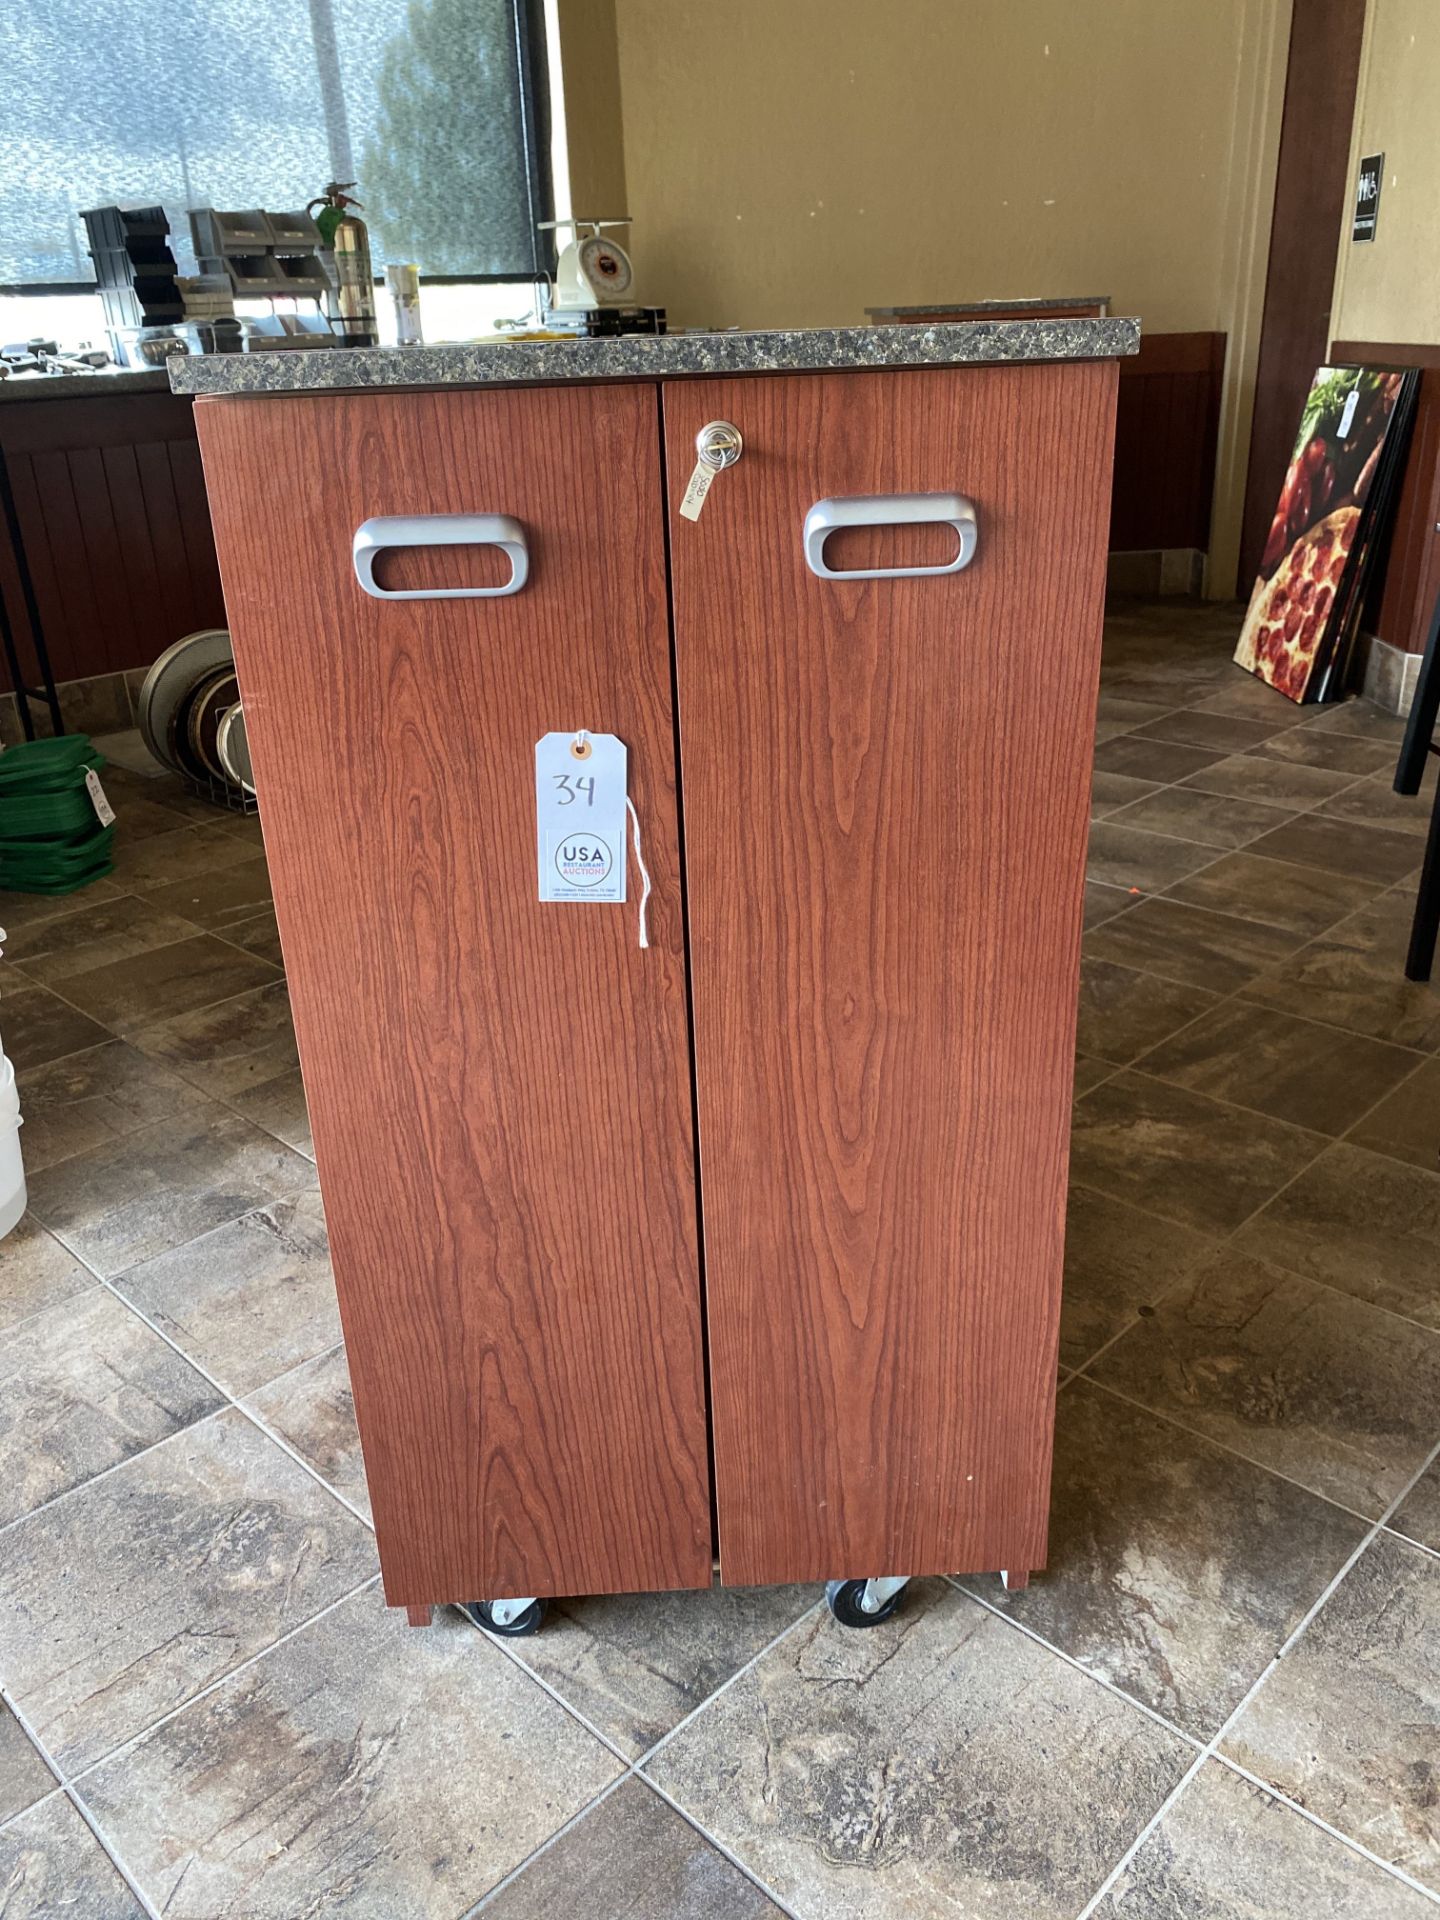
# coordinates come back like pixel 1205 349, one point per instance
pixel 791 162
pixel 1388 289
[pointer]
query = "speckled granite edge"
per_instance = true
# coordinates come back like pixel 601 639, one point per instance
pixel 75 386
pixel 981 307
pixel 655 357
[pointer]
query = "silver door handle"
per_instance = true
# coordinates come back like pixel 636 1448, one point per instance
pixel 441 530
pixel 889 510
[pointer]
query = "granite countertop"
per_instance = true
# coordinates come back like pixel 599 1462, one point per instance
pixel 72 386
pixel 654 356
pixel 982 307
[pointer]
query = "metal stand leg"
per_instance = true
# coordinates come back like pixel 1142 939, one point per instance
pixel 1424 928
pixel 25 694
pixel 1414 758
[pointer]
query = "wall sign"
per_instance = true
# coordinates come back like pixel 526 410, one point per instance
pixel 1367 196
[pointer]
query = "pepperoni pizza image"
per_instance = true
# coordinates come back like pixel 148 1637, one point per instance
pixel 1289 613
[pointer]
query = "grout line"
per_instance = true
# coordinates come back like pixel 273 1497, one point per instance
pixel 1409 1540
pixel 492 1893
pixel 957 1581
pixel 1347 1840
pixel 719 1845
pixel 501 1643
pixel 77 1801
pixel 1212 1750
pixel 725 1685
pixel 223 1679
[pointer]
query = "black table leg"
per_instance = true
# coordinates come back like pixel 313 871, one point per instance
pixel 25 694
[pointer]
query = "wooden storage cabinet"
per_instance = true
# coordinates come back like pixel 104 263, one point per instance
pixel 884 802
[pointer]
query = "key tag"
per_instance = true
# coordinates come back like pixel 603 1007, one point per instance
pixel 580 816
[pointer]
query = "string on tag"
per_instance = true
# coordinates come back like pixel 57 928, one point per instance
pixel 644 871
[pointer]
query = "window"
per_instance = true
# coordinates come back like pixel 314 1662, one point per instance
pixel 434 107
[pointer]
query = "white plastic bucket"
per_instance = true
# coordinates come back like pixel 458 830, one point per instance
pixel 12 1167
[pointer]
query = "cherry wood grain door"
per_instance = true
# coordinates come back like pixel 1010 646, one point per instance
pixel 885 795
pixel 499 1089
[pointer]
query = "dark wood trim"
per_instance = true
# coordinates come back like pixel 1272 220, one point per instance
pixel 1407 576
pixel 1166 432
pixel 1312 186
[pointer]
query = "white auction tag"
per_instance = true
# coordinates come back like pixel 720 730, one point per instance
pixel 693 498
pixel 104 812
pixel 580 816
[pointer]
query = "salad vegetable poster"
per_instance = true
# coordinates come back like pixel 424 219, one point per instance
pixel 1307 584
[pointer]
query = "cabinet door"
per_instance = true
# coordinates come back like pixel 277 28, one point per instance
pixel 886 794
pixel 499 1090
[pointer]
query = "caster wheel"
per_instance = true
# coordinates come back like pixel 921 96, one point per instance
pixel 482 1612
pixel 843 1599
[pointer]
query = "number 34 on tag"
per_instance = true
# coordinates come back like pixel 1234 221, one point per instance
pixel 580 817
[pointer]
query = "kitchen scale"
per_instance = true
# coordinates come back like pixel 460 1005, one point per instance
pixel 592 278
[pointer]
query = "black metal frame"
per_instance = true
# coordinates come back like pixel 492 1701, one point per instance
pixel 1415 753
pixel 24 694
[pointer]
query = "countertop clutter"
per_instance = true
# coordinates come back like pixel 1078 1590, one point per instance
pixel 659 356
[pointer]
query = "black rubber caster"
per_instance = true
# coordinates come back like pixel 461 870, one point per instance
pixel 482 1613
pixel 843 1599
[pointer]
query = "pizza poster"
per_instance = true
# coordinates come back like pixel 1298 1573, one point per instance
pixel 1293 620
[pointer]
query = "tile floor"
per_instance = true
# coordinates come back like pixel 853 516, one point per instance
pixel 1219 1703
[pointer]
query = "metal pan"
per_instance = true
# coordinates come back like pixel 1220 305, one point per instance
pixel 233 748
pixel 170 683
pixel 196 741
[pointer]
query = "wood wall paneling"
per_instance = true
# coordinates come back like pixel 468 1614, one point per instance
pixel 110 499
pixel 1402 595
pixel 500 1090
pixel 886 790
pixel 1312 198
pixel 1166 429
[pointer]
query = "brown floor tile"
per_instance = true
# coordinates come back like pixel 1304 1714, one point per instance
pixel 1122 1012
pixel 1089 1073
pixel 1374 803
pixel 26 910
pixel 279 1107
pixel 24 1776
pixel 1196 727
pixel 1104 903
pixel 634 1665
pixel 313 1411
pixel 1363 851
pixel 165 858
pixel 39 1027
pixel 87 1099
pixel 1126 857
pixel 244 826
pixel 1228 1851
pixel 1207 819
pixel 632 1858
pixel 1346 1724
pixel 217 899
pixel 1406 1125
pixel 1290 1373
pixel 1279 783
pixel 225 1048
pixel 1251 699
pixel 1419 1513
pixel 36 1272
pixel 97 934
pixel 1117 709
pixel 1118 1260
pixel 1192 945
pixel 418 1769
pixel 157 1188
pixel 911 1769
pixel 51 1865
pixel 258 935
pixel 1159 760
pixel 250 1300
pixel 83 1386
pixel 1181 1155
pixel 1363 1223
pixel 1363 720
pixel 1111 790
pixel 1303 900
pixel 1295 1070
pixel 1354 977
pixel 1335 752
pixel 1175 1569
pixel 253 1546
pixel 129 995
